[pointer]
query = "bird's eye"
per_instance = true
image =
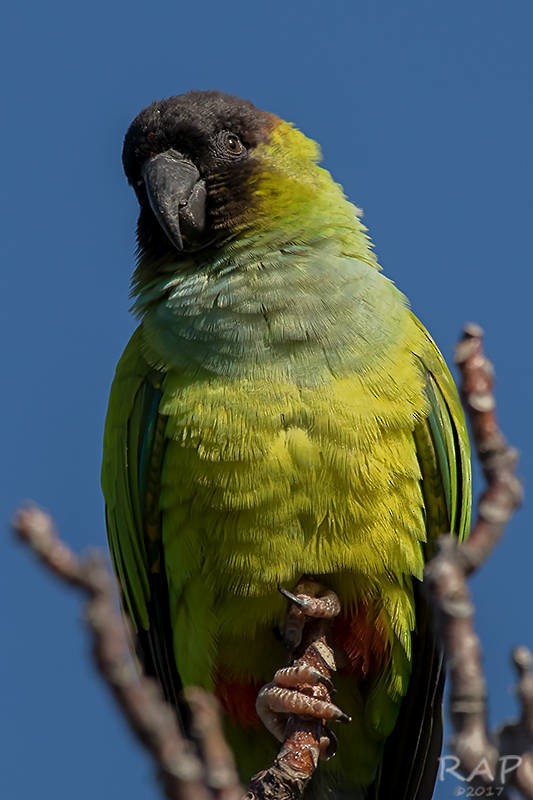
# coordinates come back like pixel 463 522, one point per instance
pixel 230 143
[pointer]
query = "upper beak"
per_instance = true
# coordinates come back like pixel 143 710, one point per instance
pixel 177 196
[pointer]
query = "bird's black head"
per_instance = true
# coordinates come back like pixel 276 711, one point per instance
pixel 188 159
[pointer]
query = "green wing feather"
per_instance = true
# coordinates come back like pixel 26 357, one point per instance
pixel 133 456
pixel 443 450
pixel 411 754
pixel 123 438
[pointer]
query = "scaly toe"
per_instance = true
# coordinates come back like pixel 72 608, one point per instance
pixel 326 606
pixel 291 677
pixel 275 700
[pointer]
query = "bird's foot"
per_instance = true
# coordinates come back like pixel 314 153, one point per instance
pixel 304 688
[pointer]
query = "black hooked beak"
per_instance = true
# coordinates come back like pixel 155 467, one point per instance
pixel 177 196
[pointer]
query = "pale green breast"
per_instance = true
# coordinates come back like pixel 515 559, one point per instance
pixel 299 314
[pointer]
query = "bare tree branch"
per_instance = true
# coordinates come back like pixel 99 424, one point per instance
pixel 446 574
pixel 184 775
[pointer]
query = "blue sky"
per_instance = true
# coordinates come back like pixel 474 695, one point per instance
pixel 424 112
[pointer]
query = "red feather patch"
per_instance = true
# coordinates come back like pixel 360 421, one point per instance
pixel 238 700
pixel 362 637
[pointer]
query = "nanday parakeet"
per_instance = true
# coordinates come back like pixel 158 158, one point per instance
pixel 278 412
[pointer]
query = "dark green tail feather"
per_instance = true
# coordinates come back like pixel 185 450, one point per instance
pixel 410 759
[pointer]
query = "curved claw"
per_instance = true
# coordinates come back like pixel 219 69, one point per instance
pixel 289 595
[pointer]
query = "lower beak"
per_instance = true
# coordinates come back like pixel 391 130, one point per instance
pixel 177 196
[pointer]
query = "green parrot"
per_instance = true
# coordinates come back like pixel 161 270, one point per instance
pixel 278 413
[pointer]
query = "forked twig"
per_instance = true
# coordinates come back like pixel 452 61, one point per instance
pixel 446 574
